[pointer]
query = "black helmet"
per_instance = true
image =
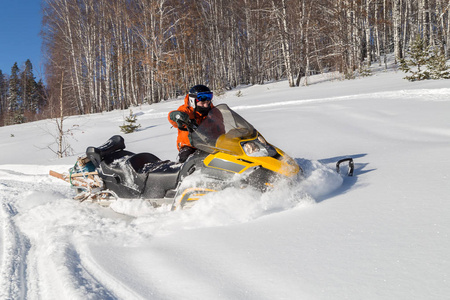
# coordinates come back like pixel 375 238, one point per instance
pixel 197 89
pixel 194 91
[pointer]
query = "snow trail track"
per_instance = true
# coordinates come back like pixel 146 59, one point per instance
pixel 43 262
pixel 14 253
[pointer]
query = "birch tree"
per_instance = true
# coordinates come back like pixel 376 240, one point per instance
pixel 280 13
pixel 397 18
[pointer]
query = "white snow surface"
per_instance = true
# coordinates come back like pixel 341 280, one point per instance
pixel 382 234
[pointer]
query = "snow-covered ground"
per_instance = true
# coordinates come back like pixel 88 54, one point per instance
pixel 382 234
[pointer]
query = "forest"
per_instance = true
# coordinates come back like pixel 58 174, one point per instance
pixel 112 54
pixel 22 98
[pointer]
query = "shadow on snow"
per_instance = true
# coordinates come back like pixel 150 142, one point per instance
pixel 360 168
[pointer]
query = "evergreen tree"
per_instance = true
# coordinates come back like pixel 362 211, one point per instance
pixel 418 59
pixel 129 125
pixel 437 65
pixel 28 87
pixel 3 96
pixel 15 109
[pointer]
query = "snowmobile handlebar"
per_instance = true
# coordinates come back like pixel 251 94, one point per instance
pixel 190 126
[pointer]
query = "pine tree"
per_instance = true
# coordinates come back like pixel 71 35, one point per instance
pixel 129 125
pixel 437 65
pixel 15 109
pixel 3 96
pixel 28 87
pixel 418 58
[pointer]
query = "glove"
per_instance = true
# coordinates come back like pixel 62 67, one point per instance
pixel 180 117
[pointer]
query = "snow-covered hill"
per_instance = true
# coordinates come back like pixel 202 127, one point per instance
pixel 382 234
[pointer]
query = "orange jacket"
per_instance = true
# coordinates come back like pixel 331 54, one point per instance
pixel 183 136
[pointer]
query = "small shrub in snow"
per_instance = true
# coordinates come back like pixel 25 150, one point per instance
pixel 365 71
pixel 349 75
pixel 129 125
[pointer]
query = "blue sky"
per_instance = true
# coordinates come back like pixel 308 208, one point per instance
pixel 20 24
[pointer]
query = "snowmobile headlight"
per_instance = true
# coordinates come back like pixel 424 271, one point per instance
pixel 258 147
pixel 251 148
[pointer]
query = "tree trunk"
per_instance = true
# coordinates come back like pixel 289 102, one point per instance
pixel 281 18
pixel 397 30
pixel 368 34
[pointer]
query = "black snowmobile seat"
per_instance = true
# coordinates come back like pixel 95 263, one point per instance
pixel 96 154
pixel 120 172
pixel 141 160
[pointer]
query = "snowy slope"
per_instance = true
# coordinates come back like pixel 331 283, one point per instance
pixel 382 234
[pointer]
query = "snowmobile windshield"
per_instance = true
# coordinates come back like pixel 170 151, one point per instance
pixel 221 120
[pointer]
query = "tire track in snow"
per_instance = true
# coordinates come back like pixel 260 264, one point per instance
pixel 14 253
pixel 34 266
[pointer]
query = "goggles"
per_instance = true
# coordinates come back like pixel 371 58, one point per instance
pixel 204 96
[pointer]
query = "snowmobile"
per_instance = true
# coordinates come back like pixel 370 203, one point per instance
pixel 230 153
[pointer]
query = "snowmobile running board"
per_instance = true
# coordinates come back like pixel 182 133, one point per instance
pixel 351 165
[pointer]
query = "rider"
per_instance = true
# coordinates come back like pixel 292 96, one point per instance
pixel 197 104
